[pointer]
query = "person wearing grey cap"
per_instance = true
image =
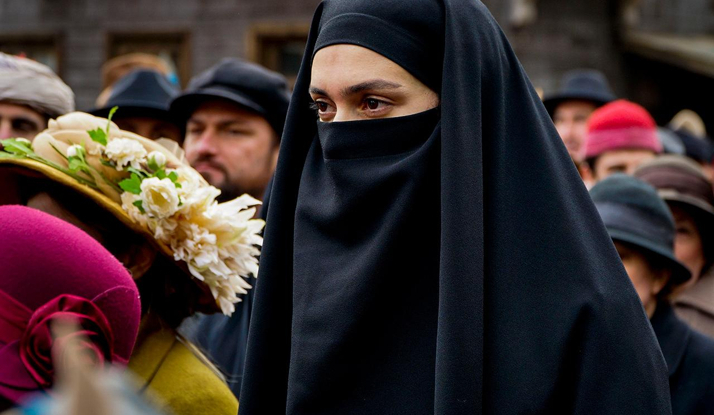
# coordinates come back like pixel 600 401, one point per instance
pixel 142 99
pixel 30 94
pixel 688 193
pixel 234 114
pixel 643 231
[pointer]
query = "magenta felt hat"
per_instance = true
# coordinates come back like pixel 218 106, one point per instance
pixel 621 125
pixel 53 271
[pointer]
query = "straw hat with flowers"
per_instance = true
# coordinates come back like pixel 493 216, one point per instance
pixel 154 193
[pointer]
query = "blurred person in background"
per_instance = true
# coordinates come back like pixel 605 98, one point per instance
pixel 186 253
pixel 643 231
pixel 143 99
pixel 234 114
pixel 699 149
pixel 671 144
pixel 51 271
pixel 620 136
pixel 118 67
pixel 582 91
pixel 30 94
pixel 688 193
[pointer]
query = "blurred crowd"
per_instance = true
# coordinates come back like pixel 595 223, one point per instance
pixel 155 304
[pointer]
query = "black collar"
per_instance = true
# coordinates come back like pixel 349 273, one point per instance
pixel 672 333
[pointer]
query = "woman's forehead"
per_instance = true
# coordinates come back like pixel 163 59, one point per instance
pixel 352 65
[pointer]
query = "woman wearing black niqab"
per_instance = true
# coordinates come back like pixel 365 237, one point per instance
pixel 448 261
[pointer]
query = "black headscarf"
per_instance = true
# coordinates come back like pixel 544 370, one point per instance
pixel 448 262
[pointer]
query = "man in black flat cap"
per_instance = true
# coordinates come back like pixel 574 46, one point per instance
pixel 582 92
pixel 143 98
pixel 234 114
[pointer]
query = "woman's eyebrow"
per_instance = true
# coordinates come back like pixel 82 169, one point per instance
pixel 373 84
pixel 317 91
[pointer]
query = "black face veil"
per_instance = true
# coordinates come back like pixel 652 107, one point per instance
pixel 448 262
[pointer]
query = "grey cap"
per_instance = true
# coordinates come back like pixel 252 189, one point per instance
pixel 26 82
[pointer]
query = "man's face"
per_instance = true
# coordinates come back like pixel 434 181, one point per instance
pixel 150 128
pixel 234 149
pixel 620 161
pixel 570 119
pixel 20 121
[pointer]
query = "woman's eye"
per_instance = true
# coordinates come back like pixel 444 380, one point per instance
pixel 320 106
pixel 375 105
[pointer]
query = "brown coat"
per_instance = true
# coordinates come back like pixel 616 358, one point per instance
pixel 696 305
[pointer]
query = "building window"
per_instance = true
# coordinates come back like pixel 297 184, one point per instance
pixel 173 48
pixel 42 48
pixel 278 47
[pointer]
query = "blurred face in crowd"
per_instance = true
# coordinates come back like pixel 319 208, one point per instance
pixel 20 121
pixel 150 128
pixel 352 83
pixel 619 161
pixel 648 281
pixel 234 149
pixel 571 121
pixel 688 246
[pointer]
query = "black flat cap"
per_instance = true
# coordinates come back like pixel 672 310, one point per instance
pixel 243 83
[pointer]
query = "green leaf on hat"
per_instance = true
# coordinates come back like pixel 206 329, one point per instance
pixel 132 184
pixel 17 147
pixel 98 135
pixel 140 205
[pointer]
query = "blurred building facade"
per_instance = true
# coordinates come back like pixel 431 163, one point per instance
pixel 658 52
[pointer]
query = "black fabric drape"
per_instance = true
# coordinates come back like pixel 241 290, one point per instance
pixel 448 262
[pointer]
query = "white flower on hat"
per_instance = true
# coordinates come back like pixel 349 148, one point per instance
pixel 125 152
pixel 129 204
pixel 159 197
pixel 75 150
pixel 157 158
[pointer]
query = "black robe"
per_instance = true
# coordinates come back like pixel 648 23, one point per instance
pixel 690 359
pixel 448 262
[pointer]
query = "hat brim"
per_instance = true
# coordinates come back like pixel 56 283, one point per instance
pixel 182 106
pixel 552 101
pixel 32 168
pixel 680 273
pixel 669 195
pixel 136 109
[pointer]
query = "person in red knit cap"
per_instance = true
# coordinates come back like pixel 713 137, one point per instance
pixel 51 271
pixel 621 135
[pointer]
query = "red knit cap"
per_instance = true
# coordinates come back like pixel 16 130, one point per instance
pixel 621 125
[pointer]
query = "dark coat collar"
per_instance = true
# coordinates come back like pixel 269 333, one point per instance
pixel 673 335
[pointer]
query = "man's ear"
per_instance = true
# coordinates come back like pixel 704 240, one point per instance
pixel 138 258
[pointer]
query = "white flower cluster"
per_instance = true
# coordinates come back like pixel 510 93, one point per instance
pixel 125 152
pixel 218 242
